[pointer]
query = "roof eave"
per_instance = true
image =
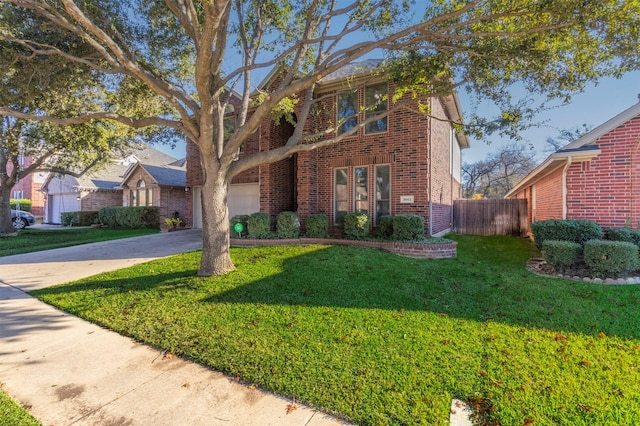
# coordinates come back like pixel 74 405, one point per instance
pixel 551 164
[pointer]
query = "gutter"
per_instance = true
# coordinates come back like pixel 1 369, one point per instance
pixel 564 187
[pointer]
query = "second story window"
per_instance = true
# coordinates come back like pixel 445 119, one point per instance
pixel 376 102
pixel 347 111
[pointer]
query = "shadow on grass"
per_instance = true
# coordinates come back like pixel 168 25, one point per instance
pixel 476 286
pixel 487 282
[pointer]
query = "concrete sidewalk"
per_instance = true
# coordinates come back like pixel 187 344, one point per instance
pixel 70 372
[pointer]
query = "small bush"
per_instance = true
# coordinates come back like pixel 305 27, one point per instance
pixel 317 226
pixel 356 226
pixel 610 258
pixel 288 225
pixel 561 254
pixel 130 217
pixel 385 227
pixel 25 204
pixel 242 219
pixel 622 234
pixel 408 227
pixel 340 222
pixel 575 231
pixel 80 218
pixel 259 226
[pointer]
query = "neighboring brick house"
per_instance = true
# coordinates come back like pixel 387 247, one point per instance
pixel 408 162
pixel 596 177
pixel 29 188
pixel 97 188
pixel 162 186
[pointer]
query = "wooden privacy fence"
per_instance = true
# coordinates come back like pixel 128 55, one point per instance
pixel 491 217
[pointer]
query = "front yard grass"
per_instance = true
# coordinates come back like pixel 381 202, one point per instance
pixel 31 240
pixel 381 339
pixel 11 414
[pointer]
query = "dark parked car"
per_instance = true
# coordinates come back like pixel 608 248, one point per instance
pixel 22 219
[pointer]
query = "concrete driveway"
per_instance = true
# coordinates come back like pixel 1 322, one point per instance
pixel 70 372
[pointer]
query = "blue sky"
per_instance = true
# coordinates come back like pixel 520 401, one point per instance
pixel 593 107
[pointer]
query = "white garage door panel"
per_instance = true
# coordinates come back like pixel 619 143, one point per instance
pixel 62 203
pixel 242 199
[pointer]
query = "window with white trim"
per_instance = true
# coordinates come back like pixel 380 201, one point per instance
pixel 141 196
pixel 340 193
pixel 383 191
pixel 347 111
pixel 376 102
pixel 361 189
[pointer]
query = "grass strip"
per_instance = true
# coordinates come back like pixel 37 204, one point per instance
pixel 32 240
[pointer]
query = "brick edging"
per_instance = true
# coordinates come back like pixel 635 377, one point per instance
pixel 414 250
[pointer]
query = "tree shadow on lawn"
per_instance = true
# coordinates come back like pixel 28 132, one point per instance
pixel 489 285
pixel 472 288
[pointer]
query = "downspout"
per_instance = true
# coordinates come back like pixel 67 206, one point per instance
pixel 429 133
pixel 564 187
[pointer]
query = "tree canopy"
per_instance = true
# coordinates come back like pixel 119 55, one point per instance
pixel 190 55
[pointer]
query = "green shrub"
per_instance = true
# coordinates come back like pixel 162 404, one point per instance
pixel 408 227
pixel 356 226
pixel 259 226
pixel 317 226
pixel 610 258
pixel 80 218
pixel 340 222
pixel 288 225
pixel 25 204
pixel 130 217
pixel 622 234
pixel 561 254
pixel 576 231
pixel 385 227
pixel 242 219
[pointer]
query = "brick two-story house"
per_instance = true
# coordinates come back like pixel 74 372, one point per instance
pixel 408 162
pixel 596 177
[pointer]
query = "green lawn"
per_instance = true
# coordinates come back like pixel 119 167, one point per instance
pixel 381 339
pixel 11 414
pixel 30 240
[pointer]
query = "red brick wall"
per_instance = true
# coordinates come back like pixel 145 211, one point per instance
pixel 548 197
pixel 95 200
pixel 607 189
pixel 30 189
pixel 167 199
pixel 305 183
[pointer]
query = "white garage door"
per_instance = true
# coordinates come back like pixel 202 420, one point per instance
pixel 242 198
pixel 61 203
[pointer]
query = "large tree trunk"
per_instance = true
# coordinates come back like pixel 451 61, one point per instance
pixel 6 226
pixel 216 259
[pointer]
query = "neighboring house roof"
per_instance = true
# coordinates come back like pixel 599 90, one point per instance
pixel 165 175
pixel 109 176
pixel 582 149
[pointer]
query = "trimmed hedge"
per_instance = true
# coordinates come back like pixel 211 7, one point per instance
pixel 240 218
pixel 259 226
pixel 385 227
pixel 355 226
pixel 288 225
pixel 575 231
pixel 408 227
pixel 80 218
pixel 561 254
pixel 610 258
pixel 317 226
pixel 25 204
pixel 622 234
pixel 130 217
